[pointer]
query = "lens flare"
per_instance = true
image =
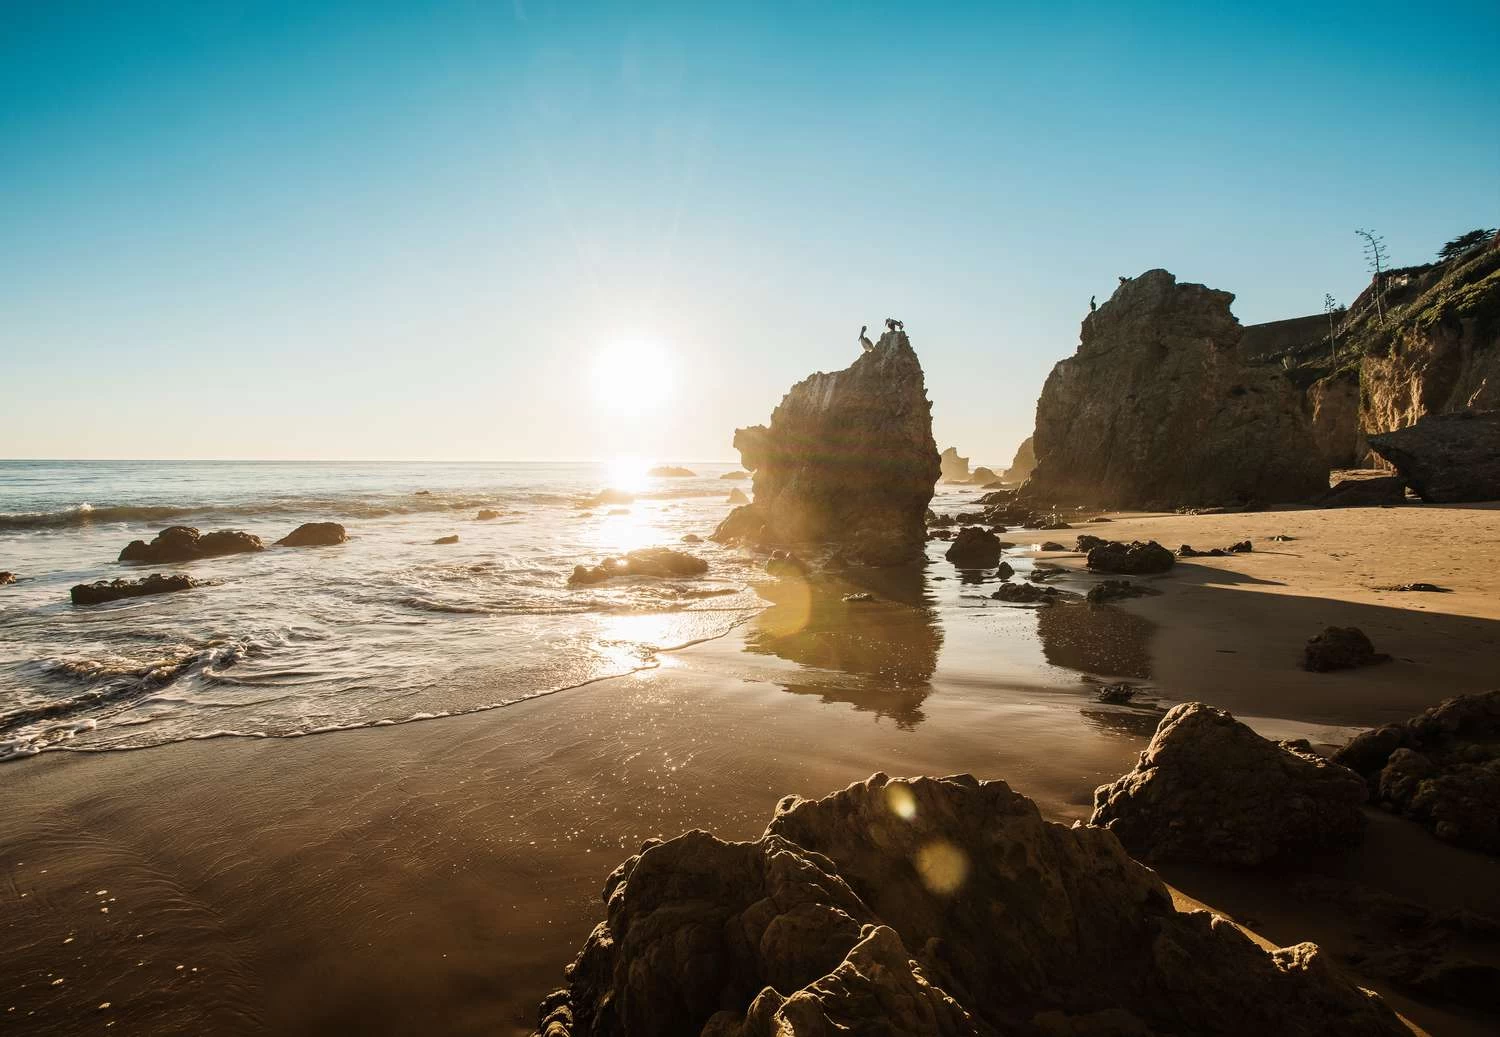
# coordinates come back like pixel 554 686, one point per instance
pixel 943 866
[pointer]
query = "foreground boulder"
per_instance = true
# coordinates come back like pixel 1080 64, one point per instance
pixel 113 590
pixel 934 907
pixel 1340 648
pixel 1441 769
pixel 974 548
pixel 848 459
pixel 185 544
pixel 1132 559
pixel 1447 458
pixel 315 534
pixel 648 561
pixel 1208 788
pixel 1159 406
pixel 1377 491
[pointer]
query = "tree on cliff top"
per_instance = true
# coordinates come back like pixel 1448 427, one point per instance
pixel 1463 243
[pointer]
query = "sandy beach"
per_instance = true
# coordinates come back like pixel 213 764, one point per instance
pixel 380 880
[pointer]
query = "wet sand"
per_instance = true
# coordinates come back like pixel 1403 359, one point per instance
pixel 437 877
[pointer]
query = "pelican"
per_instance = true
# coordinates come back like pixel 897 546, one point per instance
pixel 864 339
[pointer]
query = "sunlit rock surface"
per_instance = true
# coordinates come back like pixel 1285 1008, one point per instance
pixel 1158 409
pixel 928 906
pixel 848 459
pixel 954 467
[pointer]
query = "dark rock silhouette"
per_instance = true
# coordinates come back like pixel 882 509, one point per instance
pixel 647 561
pixel 1132 559
pixel 113 590
pixel 1208 788
pixel 940 907
pixel 974 548
pixel 1340 648
pixel 1364 493
pixel 1441 769
pixel 1158 405
pixel 315 534
pixel 185 544
pixel 848 460
pixel 1447 458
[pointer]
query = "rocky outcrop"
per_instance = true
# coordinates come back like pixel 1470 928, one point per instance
pixel 1441 769
pixel 7 577
pixel 1132 559
pixel 974 548
pixel 1333 409
pixel 1208 788
pixel 316 534
pixel 848 459
pixel 668 471
pixel 113 590
pixel 934 907
pixel 1447 458
pixel 1377 491
pixel 1023 464
pixel 185 544
pixel 953 467
pixel 647 561
pixel 1340 648
pixel 735 475
pixel 1159 407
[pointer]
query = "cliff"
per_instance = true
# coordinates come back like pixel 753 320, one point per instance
pixel 1158 407
pixel 848 460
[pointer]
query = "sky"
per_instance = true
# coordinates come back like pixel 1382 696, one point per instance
pixel 412 230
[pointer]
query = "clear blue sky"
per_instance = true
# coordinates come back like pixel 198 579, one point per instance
pixel 406 230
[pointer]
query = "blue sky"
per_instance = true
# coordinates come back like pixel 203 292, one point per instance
pixel 350 230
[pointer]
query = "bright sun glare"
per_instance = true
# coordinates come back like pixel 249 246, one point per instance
pixel 632 377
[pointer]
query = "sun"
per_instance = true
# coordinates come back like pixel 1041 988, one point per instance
pixel 632 376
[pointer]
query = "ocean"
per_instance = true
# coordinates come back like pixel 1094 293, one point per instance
pixel 384 629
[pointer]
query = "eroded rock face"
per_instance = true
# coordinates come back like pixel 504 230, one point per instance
pixel 114 590
pixel 1447 458
pixel 935 907
pixel 1158 405
pixel 953 467
pixel 319 534
pixel 1333 408
pixel 1208 788
pixel 848 459
pixel 1441 769
pixel 1023 464
pixel 184 544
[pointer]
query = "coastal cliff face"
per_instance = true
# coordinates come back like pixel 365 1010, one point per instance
pixel 1158 407
pixel 1333 408
pixel 928 906
pixel 848 459
pixel 1023 464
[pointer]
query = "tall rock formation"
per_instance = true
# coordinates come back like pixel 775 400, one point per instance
pixel 848 459
pixel 1023 464
pixel 955 467
pixel 1159 408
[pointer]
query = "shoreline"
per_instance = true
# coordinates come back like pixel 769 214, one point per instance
pixel 376 882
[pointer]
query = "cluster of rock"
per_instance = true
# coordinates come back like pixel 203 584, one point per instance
pixel 113 590
pixel 1158 406
pixel 1136 558
pixel 1207 788
pixel 655 562
pixel 930 906
pixel 1441 769
pixel 848 459
pixel 186 544
pixel 1240 547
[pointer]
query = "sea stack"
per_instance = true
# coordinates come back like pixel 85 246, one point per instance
pixel 1159 409
pixel 848 460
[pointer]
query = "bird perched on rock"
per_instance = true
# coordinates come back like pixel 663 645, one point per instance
pixel 892 324
pixel 864 339
pixel 1092 306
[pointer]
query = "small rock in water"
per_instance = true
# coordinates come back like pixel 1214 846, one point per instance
pixel 1116 694
pixel 314 534
pixel 647 561
pixel 184 544
pixel 7 577
pixel 452 539
pixel 485 514
pixel 859 596
pixel 114 590
pixel 1005 571
pixel 1340 648
pixel 1023 593
pixel 974 548
pixel 668 471
pixel 1051 545
pixel 692 538
pixel 1117 590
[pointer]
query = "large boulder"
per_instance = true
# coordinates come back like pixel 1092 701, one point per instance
pixel 1208 788
pixel 954 468
pixel 1158 405
pixel 1134 559
pixel 848 459
pixel 1447 458
pixel 1340 648
pixel 941 907
pixel 318 534
pixel 184 544
pixel 974 548
pixel 1441 769
pixel 113 590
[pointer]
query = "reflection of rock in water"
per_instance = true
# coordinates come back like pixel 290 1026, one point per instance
pixel 1105 641
pixel 1124 721
pixel 888 646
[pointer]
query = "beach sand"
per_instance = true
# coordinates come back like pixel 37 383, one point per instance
pixel 437 877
